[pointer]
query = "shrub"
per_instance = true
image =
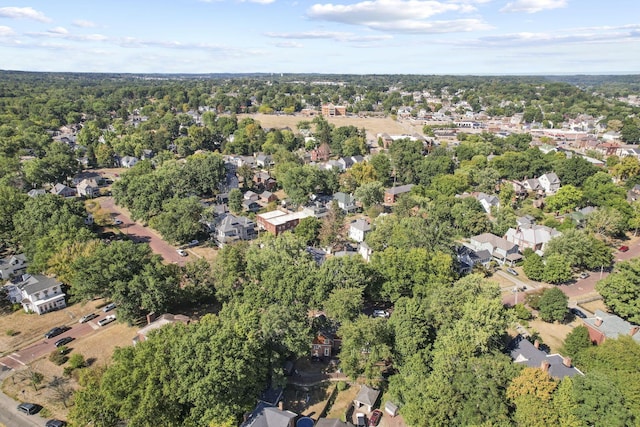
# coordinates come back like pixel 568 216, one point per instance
pixel 77 361
pixel 521 312
pixel 11 332
pixel 342 386
pixel 57 357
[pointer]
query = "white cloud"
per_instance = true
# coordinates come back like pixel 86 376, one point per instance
pixel 582 36
pixel 83 23
pixel 58 30
pixel 328 35
pixel 289 45
pixel 533 6
pixel 6 31
pixel 23 13
pixel 401 16
pixel 383 10
pixel 258 1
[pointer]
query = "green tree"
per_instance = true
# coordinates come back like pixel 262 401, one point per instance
pixel 235 201
pixel 621 290
pixel 308 229
pixel 365 342
pixel 179 222
pixel 370 193
pixel 553 305
pixel 576 342
pixel 344 304
pixel 607 222
pixel 566 199
pixel 532 392
pixel 580 249
pixel 533 266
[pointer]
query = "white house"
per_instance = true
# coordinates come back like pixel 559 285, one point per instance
pixel 128 161
pixel 358 229
pixel 13 265
pixel 88 188
pixel 37 293
pixel 531 236
pixel 550 183
pixel 500 249
pixel 488 201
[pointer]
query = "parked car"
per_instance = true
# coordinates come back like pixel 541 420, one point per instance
pixel 54 332
pixel 28 408
pixel 87 317
pixel 623 248
pixel 55 423
pixel 584 275
pixel 109 307
pixel 374 419
pixel 117 221
pixel 380 313
pixel 361 420
pixel 194 243
pixel 181 252
pixel 63 341
pixel 578 313
pixel 110 318
pixel 512 271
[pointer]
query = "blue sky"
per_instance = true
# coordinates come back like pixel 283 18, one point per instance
pixel 337 36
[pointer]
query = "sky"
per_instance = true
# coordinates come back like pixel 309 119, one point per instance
pixel 476 37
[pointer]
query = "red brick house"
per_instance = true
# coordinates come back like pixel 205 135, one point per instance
pixel 325 345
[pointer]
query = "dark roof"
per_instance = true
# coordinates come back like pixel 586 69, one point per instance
pixel 523 351
pixel 401 189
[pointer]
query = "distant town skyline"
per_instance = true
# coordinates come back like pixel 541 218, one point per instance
pixel 483 37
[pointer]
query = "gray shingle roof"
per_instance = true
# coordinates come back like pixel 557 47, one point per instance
pixel 522 351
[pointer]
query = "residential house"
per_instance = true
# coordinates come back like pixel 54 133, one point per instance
pixel 154 323
pixel 518 187
pixel 279 221
pixel 366 397
pixel 488 201
pixel 37 293
pixel 12 266
pixel 331 110
pixel 605 325
pixel 500 249
pixel 128 161
pixel 550 183
pixel 633 194
pixel 250 195
pixel 346 202
pixel 233 228
pixel 532 185
pixel 88 188
pixel 263 161
pixel 321 154
pixel 523 352
pixel 608 148
pixel 37 192
pixel 532 236
pixel 468 258
pixel 365 251
pixel 332 422
pixel 317 210
pixel 611 136
pixel 358 230
pixel 267 197
pixel 392 194
pixel 385 140
pixel 251 206
pixel 263 181
pixel 269 416
pixel 628 152
pixel 345 162
pixel 325 344
pixel 63 190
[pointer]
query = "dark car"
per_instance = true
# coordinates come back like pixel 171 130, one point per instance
pixel 28 408
pixel 623 248
pixel 54 332
pixel 578 313
pixel 55 423
pixel 361 420
pixel 374 419
pixel 63 341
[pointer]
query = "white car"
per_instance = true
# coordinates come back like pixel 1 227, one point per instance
pixel 181 252
pixel 86 318
pixel 110 318
pixel 380 313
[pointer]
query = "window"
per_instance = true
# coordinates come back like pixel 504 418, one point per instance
pixel 327 351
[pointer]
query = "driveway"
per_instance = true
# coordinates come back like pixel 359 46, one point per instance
pixel 139 233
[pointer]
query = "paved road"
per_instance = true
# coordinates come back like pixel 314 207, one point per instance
pixel 140 233
pixel 44 347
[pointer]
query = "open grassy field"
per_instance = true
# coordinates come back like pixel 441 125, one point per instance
pixel 372 125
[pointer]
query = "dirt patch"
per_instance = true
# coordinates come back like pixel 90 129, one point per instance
pixel 552 334
pixel 373 125
pixel 308 401
pixel 592 306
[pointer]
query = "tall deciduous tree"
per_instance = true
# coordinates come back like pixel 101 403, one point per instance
pixel 621 290
pixel 553 305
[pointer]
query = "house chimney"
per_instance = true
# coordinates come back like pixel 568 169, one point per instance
pixel 545 366
pixel 566 361
pixel 151 317
pixel 598 321
pixel 536 344
pixel 281 405
pixel 633 330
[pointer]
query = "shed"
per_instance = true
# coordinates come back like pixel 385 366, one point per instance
pixel 367 396
pixel 391 408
